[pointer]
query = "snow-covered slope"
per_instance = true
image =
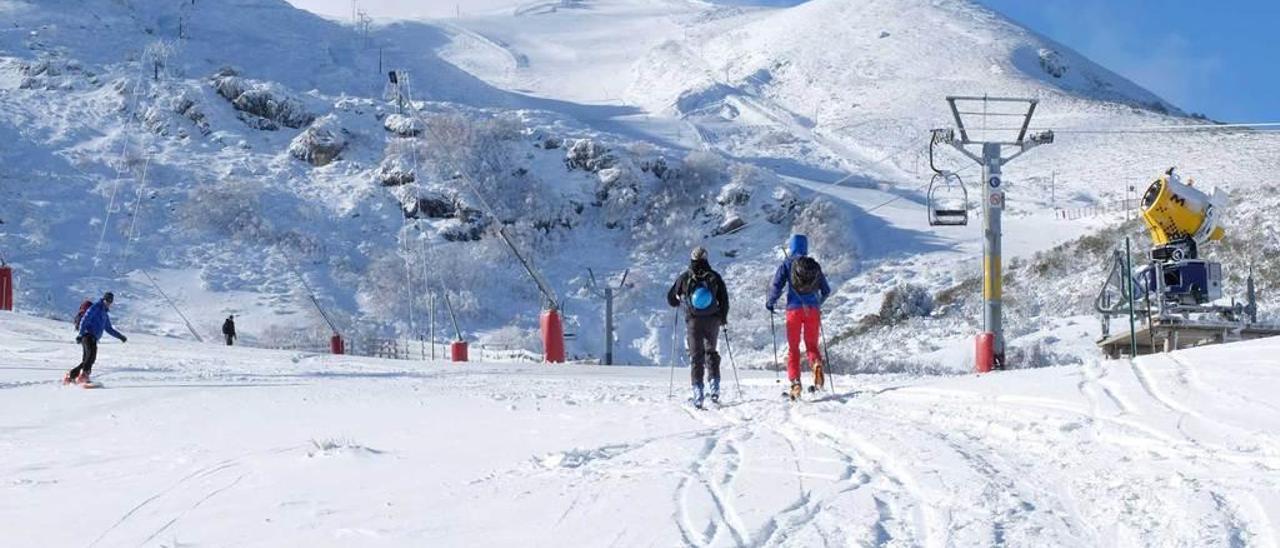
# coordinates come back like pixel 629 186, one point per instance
pixel 174 155
pixel 263 448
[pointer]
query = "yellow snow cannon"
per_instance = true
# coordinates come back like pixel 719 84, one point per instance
pixel 1175 211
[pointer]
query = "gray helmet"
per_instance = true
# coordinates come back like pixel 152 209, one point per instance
pixel 699 254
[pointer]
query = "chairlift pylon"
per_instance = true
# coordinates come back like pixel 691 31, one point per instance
pixel 948 200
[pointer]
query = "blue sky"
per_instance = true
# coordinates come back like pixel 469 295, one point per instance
pixel 1221 59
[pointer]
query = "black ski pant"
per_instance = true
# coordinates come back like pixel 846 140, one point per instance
pixel 703 332
pixel 89 346
pixel 230 339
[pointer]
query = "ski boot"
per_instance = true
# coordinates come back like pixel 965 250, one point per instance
pixel 715 391
pixel 66 379
pixel 696 400
pixel 818 378
pixel 83 379
pixel 795 390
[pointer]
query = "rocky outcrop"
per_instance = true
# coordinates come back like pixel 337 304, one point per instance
pixel 261 105
pixel 321 143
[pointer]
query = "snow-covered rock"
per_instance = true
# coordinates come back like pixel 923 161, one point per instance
pixel 402 125
pixel 262 100
pixel 321 143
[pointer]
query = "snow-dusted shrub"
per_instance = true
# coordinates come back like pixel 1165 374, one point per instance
pixel 50 73
pixel 641 149
pixel 1040 353
pixel 743 179
pixel 657 166
pixel 461 231
pixel 734 194
pixel 589 155
pixel 457 144
pixel 436 205
pixel 510 337
pixel 320 143
pixel 395 171
pixel 702 169
pixel 156 56
pixel 906 301
pixel 404 126
pixel 776 137
pixel 616 194
pixel 382 291
pixel 230 210
pixel 830 232
pixel 479 159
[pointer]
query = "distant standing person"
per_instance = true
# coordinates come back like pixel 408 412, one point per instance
pixel 706 307
pixel 229 329
pixel 807 289
pixel 95 322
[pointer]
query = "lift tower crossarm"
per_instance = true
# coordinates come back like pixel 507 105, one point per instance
pixel 993 202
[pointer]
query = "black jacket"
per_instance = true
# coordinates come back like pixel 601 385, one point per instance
pixel 700 269
pixel 229 328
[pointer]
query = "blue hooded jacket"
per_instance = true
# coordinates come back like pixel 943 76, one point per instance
pixel 799 247
pixel 96 321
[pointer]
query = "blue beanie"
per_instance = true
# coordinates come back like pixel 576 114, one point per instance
pixel 798 245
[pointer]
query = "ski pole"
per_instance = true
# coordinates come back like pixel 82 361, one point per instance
pixel 732 362
pixel 773 331
pixel 826 350
pixel 675 329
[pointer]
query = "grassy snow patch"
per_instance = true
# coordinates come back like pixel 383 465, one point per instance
pixel 329 447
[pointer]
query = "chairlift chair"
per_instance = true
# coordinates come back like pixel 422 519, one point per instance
pixel 948 200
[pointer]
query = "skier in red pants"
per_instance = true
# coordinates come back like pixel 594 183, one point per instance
pixel 807 289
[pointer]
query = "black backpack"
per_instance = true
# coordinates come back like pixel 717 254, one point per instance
pixel 805 274
pixel 691 286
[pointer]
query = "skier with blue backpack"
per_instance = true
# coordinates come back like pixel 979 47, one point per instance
pixel 705 299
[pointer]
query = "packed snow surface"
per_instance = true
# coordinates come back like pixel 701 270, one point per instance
pixel 186 445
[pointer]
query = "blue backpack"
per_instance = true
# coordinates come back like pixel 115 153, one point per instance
pixel 700 296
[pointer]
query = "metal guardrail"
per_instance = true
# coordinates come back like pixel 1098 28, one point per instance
pixel 413 350
pixel 1115 206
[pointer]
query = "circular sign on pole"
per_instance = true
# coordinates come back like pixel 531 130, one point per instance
pixel 994 181
pixel 996 199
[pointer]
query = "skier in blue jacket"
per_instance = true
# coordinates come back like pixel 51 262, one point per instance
pixel 96 321
pixel 807 289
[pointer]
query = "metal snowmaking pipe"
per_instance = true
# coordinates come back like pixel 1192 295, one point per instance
pixel 488 209
pixel 552 327
pixel 172 304
pixel 457 332
pixel 312 295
